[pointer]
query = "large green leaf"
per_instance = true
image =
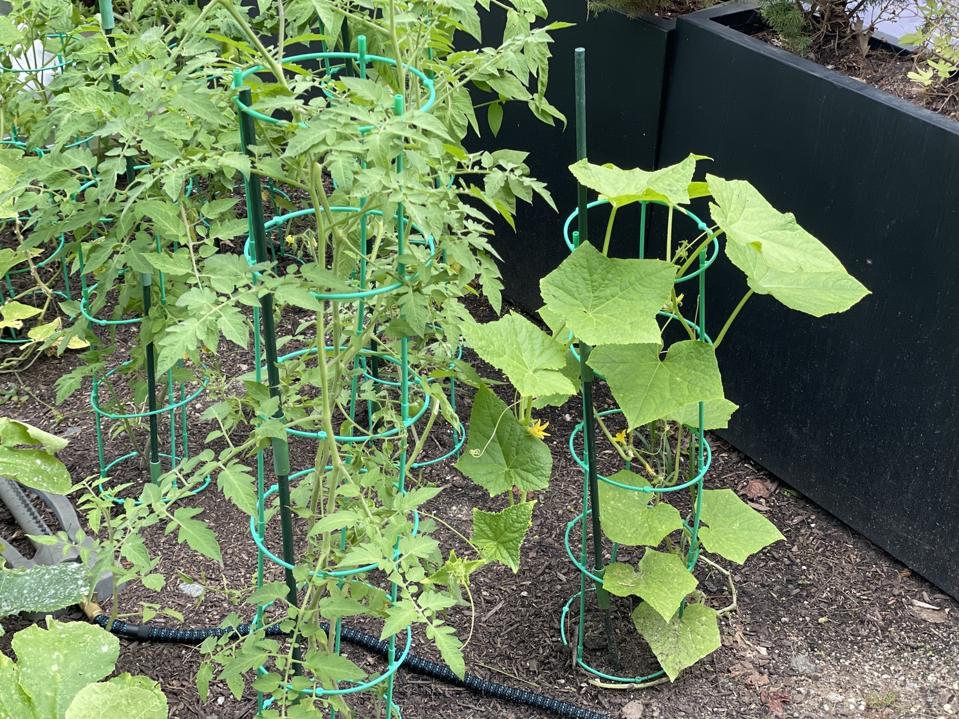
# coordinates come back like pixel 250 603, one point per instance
pixel 626 517
pixel 124 697
pixel 662 580
pixel 716 414
pixel 733 529
pixel 499 535
pixel 530 358
pixel 43 588
pixel 778 256
pixel 500 452
pixel 8 180
pixel 682 642
pixel 622 187
pixel 10 258
pixel 14 433
pixel 57 662
pixel 14 702
pixel 35 468
pixel 604 300
pixel 647 388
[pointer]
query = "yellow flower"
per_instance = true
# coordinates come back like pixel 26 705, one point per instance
pixel 620 437
pixel 538 429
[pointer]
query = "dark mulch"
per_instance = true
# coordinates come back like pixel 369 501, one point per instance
pixel 828 625
pixel 881 66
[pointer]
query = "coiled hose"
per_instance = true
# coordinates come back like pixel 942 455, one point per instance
pixel 419 665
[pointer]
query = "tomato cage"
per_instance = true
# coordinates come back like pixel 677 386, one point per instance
pixel 391 391
pixel 587 548
pixel 132 393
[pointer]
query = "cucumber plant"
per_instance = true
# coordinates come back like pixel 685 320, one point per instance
pixel 643 336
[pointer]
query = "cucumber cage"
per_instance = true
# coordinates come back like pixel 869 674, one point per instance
pixel 590 565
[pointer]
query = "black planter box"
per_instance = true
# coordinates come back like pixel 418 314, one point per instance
pixel 626 61
pixel 857 411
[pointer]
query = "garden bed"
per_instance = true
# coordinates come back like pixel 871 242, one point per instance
pixel 827 624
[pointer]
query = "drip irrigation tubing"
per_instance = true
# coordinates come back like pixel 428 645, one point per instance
pixel 419 665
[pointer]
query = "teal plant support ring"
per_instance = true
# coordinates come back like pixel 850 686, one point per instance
pixel 175 410
pixel 362 58
pixel 260 540
pixel 368 437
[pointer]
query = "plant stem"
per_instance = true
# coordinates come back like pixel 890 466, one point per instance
pixel 732 316
pixel 609 229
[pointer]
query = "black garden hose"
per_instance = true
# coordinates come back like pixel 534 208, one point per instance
pixel 419 665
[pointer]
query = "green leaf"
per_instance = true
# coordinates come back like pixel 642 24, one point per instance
pixel 529 357
pixel 177 264
pixel 333 667
pixel 662 581
pixel 8 180
pixel 10 258
pixel 124 696
pixel 13 311
pixel 626 517
pixel 682 642
pixel 778 256
pixel 35 468
pixel 623 187
pixel 42 588
pixel 734 530
pixel 445 639
pixel 647 388
pixel 716 414
pixel 499 535
pixel 398 617
pixel 14 432
pixel 604 300
pixel 14 702
pixel 500 452
pixel 57 662
pixel 199 537
pixel 233 325
pixel 239 486
pixel 494 115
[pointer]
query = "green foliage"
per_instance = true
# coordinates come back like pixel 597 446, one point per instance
pixel 734 530
pixel 42 588
pixel 669 390
pixel 163 107
pixel 802 25
pixel 499 535
pixel 58 671
pixel 937 41
pixel 28 456
pixel 778 256
pixel 593 293
pixel 682 641
pixel 501 453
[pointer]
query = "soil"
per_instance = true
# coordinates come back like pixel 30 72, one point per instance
pixel 827 624
pixel 882 66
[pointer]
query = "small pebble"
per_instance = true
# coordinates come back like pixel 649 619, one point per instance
pixel 191 590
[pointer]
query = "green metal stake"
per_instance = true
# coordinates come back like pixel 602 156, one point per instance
pixel 280 447
pixel 108 23
pixel 146 281
pixel 585 371
pixel 399 107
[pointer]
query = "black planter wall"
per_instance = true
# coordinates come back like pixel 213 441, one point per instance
pixel 857 411
pixel 626 59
